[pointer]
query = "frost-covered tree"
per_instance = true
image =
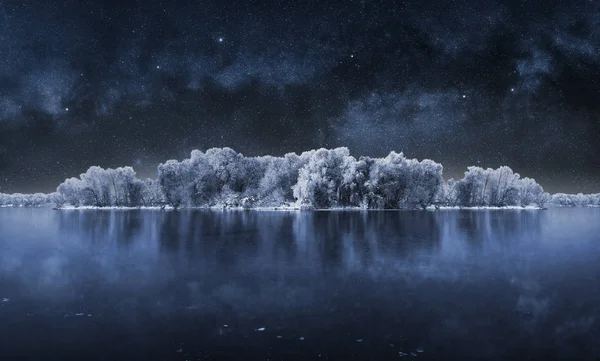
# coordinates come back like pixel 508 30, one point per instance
pixel 575 200
pixel 449 195
pixel 530 192
pixel 426 182
pixel 72 191
pixel 229 169
pixel 496 187
pixel 27 200
pixel 320 179
pixel 151 193
pixel 103 187
pixel 219 175
pixel 175 181
pixel 355 184
pixel 389 181
pixel 280 175
pixel 398 182
pixel 471 189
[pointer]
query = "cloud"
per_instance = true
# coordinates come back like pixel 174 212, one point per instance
pixel 108 100
pixel 533 69
pixel 9 110
pixel 456 34
pixel 280 70
pixel 304 50
pixel 575 46
pixel 400 120
pixel 48 89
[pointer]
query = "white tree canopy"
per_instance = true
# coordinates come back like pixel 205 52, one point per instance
pixel 322 178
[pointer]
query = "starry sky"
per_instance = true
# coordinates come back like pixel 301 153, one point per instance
pixel 483 82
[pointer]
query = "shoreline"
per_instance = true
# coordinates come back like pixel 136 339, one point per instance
pixel 290 208
pixel 293 208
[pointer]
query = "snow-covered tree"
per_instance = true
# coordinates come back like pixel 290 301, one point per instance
pixel 103 187
pixel 151 193
pixel 280 175
pixel 319 180
pixel 398 182
pixel 175 181
pixel 496 187
pixel 28 200
pixel 355 189
pixel 575 200
pixel 322 178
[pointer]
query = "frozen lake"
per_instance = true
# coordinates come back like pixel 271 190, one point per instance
pixel 210 285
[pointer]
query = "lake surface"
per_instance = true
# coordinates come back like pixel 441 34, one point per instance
pixel 254 285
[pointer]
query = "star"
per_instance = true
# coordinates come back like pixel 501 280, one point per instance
pixel 220 40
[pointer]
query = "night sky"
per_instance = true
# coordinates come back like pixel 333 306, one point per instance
pixel 484 83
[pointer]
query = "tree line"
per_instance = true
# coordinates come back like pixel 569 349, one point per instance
pixel 316 179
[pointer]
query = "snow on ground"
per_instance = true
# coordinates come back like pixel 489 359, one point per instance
pixel 81 208
pixel 293 208
pixel 484 207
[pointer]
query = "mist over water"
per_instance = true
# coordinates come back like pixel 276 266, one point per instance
pixel 191 285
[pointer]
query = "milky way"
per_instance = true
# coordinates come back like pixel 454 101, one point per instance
pixel 134 83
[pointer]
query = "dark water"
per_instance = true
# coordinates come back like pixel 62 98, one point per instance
pixel 152 285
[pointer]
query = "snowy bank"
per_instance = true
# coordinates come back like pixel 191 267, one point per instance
pixel 83 208
pixel 291 207
pixel 485 208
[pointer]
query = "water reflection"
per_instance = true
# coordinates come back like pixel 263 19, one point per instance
pixel 444 279
pixel 497 229
pixel 316 242
pixel 321 241
pixel 326 240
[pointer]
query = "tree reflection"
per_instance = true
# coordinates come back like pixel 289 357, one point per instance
pixel 328 241
pixel 497 229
